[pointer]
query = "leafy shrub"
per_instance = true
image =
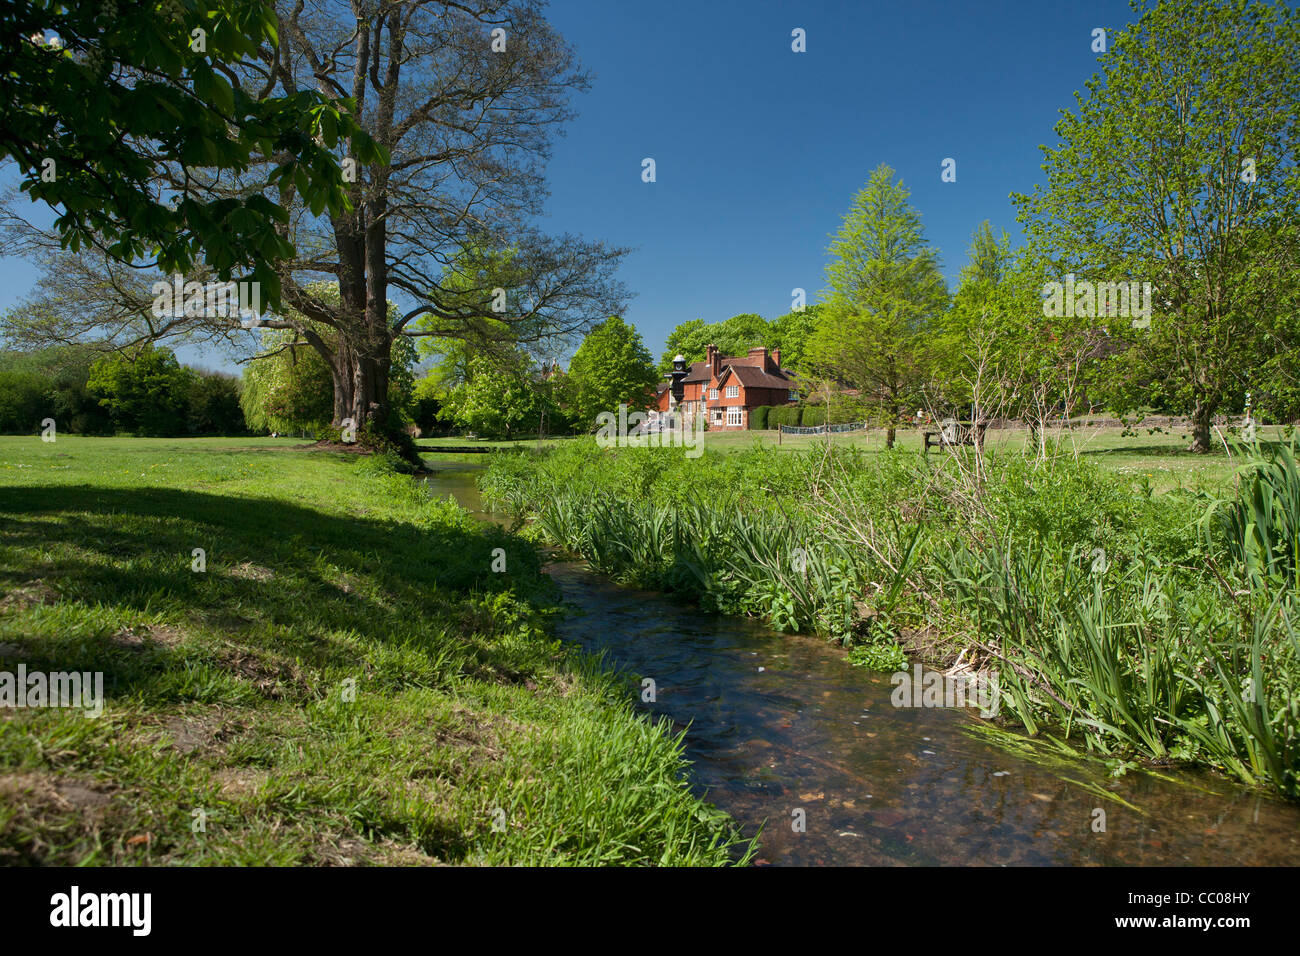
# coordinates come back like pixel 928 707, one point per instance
pixel 25 399
pixel 813 415
pixel 758 417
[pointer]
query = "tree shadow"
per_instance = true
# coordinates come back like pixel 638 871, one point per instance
pixel 280 578
pixel 1216 452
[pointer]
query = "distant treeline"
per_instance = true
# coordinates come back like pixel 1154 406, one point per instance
pixel 90 392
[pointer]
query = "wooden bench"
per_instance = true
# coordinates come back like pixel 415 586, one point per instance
pixel 953 434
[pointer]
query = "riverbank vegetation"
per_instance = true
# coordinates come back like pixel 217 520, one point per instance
pixel 335 676
pixel 1131 623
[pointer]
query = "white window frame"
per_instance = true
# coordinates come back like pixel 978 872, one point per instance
pixel 717 415
pixel 713 393
pixel 733 391
pixel 735 415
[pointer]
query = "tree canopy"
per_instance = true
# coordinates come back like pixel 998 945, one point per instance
pixel 1180 168
pixel 884 291
pixel 611 367
pixel 116 113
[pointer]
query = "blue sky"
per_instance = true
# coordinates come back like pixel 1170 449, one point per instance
pixel 759 149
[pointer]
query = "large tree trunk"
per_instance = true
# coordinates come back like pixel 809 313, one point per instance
pixel 364 357
pixel 1202 412
pixel 369 404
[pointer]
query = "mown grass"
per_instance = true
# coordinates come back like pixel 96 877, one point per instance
pixel 346 682
pixel 1147 453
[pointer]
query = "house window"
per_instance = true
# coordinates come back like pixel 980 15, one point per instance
pixel 713 393
pixel 734 414
pixel 733 391
pixel 717 415
pixel 794 395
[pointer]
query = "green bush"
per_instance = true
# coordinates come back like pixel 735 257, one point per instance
pixel 783 415
pixel 758 418
pixel 212 405
pixel 813 415
pixel 850 410
pixel 25 398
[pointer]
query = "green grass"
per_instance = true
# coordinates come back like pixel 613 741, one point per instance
pixel 1157 456
pixel 1160 456
pixel 473 736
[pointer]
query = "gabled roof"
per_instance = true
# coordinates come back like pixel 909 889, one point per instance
pixel 698 372
pixel 752 377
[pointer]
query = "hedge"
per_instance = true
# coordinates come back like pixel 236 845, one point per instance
pixel 814 415
pixel 783 415
pixel 758 417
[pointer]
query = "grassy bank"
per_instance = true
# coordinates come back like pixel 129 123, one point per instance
pixel 1135 623
pixel 346 681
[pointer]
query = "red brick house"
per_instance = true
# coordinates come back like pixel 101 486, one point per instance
pixel 725 388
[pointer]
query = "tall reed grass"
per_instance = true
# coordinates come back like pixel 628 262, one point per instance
pixel 1136 625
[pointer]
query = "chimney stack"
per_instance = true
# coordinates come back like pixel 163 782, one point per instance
pixel 713 360
pixel 776 357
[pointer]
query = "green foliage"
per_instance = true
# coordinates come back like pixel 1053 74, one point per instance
pixel 1261 525
pixel 790 333
pixel 611 367
pixel 81 103
pixel 885 290
pixel 740 333
pixel 146 393
pixel 790 415
pixel 812 415
pixel 1180 168
pixel 212 405
pixel 149 395
pixel 495 400
pixel 733 336
pixel 758 417
pixel 25 399
pixel 291 390
pixel 885 657
pixel 60 375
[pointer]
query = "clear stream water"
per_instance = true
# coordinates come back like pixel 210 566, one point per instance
pixel 779 723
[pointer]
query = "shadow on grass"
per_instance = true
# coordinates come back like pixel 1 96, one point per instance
pixel 1215 454
pixel 282 581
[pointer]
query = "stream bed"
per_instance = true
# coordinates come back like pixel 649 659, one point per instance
pixel 781 731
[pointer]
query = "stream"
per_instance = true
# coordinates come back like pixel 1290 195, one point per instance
pixel 780 730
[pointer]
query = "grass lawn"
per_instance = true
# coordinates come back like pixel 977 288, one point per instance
pixel 1160 457
pixel 345 682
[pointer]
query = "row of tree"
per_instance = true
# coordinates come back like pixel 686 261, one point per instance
pixel 148 392
pixel 345 161
pixel 89 393
pixel 1181 169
